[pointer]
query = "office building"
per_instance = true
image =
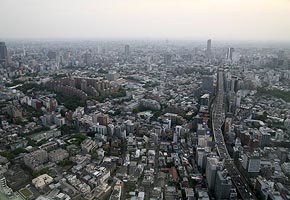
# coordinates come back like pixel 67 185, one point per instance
pixel 112 76
pixel 223 185
pixel 264 138
pixel 204 100
pixel 127 50
pixel 101 118
pixel 88 59
pixel 207 83
pixel 208 48
pixel 230 53
pixel 212 166
pixel 252 162
pixel 3 54
pixel 58 155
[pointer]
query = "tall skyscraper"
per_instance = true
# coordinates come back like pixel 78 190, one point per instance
pixel 3 53
pixel 127 50
pixel 230 53
pixel 208 48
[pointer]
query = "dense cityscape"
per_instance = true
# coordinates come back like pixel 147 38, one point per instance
pixel 138 120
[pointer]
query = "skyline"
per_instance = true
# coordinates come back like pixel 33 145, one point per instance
pixel 182 20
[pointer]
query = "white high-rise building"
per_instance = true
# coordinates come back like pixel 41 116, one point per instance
pixel 212 165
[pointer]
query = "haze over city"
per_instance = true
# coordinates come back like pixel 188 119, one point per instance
pixel 135 19
pixel 144 100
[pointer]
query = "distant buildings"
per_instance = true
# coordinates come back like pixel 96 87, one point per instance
pixel 150 104
pixel 168 59
pixel 3 54
pixel 113 76
pixel 127 50
pixel 230 53
pixel 208 48
pixel 82 87
pixel 52 55
pixel 120 137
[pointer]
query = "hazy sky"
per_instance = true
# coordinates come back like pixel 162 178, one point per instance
pixel 180 19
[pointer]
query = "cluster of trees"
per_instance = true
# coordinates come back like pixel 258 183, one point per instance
pixel 77 138
pixel 40 172
pixel 102 71
pixel 150 84
pixel 15 82
pixel 285 95
pixel 156 113
pixel 67 129
pixel 29 87
pixel 70 102
pixel 120 93
pixel 65 162
pixel 12 154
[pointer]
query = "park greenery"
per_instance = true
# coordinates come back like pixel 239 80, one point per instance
pixel 156 113
pixel 285 95
pixel 70 102
pixel 40 172
pixel 28 88
pixel 10 155
pixel 65 162
pixel 118 94
pixel 67 129
pixel 77 138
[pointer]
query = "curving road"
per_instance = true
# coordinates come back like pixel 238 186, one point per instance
pixel 218 118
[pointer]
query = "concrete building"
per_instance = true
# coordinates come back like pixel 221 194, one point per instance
pixel 88 144
pixel 3 54
pixel 58 155
pixel 252 162
pixel 208 48
pixel 207 83
pixel 35 159
pixel 113 76
pixel 41 181
pixel 223 185
pixel 127 50
pixel 212 166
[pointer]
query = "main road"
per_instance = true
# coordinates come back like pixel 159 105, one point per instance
pixel 218 118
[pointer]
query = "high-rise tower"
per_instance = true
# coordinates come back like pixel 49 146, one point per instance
pixel 230 53
pixel 127 50
pixel 3 53
pixel 208 48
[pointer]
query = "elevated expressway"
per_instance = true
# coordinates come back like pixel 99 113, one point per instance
pixel 218 118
